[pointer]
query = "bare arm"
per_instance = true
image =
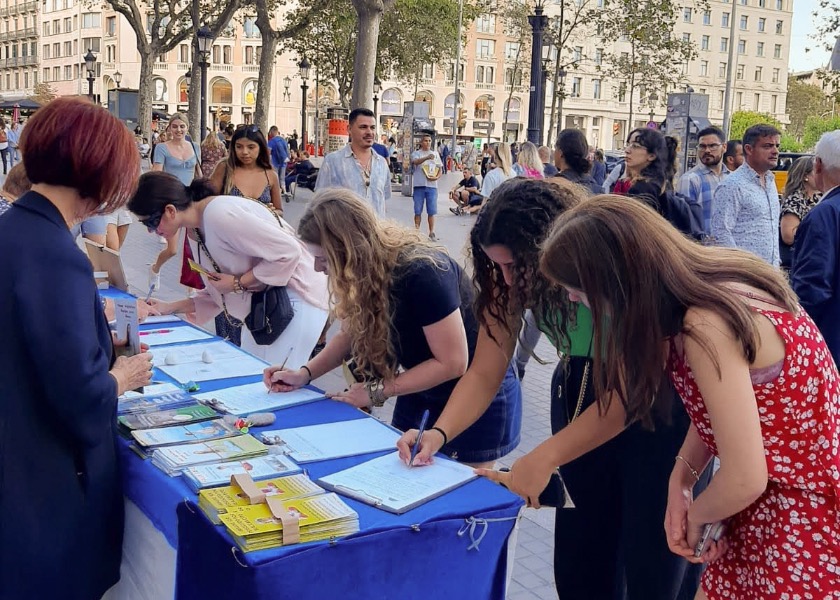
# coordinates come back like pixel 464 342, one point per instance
pixel 733 412
pixel 789 224
pixel 276 199
pixel 217 179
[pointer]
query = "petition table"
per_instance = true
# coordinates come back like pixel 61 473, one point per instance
pixel 453 546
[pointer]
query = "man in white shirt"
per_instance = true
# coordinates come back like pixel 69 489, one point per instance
pixel 427 169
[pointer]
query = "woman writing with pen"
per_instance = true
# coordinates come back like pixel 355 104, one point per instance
pixel 407 321
pixel 610 544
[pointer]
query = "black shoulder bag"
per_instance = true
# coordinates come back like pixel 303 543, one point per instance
pixel 271 309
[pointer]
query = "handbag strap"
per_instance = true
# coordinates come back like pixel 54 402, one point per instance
pixel 202 245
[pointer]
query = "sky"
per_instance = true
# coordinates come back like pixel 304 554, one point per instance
pixel 803 26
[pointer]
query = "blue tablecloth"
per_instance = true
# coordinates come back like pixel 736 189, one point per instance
pixel 454 546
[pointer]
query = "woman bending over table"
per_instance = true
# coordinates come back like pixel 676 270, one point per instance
pixel 60 485
pixel 610 545
pixel 756 378
pixel 406 318
pixel 246 248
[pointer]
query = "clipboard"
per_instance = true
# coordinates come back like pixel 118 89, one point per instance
pixel 387 484
pixel 105 259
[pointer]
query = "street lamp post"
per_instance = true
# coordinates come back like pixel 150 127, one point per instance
pixel 304 76
pixel 561 83
pixel 90 65
pixel 377 87
pixel 205 43
pixel 118 78
pixel 287 81
pixel 490 102
pixel 652 100
pixel 538 22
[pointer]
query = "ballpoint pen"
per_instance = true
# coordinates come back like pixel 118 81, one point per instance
pixel 283 366
pixel 149 295
pixel 420 431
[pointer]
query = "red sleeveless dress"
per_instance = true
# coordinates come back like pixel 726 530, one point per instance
pixel 787 543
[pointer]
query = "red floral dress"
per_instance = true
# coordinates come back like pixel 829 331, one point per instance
pixel 787 543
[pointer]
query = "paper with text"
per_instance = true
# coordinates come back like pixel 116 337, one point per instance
pixel 333 440
pixel 253 397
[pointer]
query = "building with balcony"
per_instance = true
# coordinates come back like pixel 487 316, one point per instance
pixel 69 28
pixel 18 48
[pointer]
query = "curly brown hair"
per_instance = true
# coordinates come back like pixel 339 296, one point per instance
pixel 519 217
pixel 362 253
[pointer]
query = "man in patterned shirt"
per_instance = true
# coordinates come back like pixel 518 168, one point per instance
pixel 357 167
pixel 745 208
pixel 699 184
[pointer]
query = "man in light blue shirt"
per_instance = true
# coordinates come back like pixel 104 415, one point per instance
pixel 699 184
pixel 426 165
pixel 279 153
pixel 745 209
pixel 13 135
pixel 357 167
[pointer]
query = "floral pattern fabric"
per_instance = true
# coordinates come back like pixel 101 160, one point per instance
pixel 787 543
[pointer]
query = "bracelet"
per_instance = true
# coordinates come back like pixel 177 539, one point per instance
pixel 443 433
pixel 376 393
pixel 237 285
pixel 305 368
pixel 693 471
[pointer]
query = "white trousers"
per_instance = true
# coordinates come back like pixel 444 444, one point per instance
pixel 297 340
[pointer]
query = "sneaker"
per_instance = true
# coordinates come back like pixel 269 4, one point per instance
pixel 433 237
pixel 154 279
pixel 455 211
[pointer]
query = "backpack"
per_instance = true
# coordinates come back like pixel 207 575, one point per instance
pixel 684 214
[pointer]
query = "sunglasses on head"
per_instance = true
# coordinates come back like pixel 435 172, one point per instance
pixel 152 222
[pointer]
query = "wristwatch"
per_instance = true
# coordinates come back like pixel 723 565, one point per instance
pixel 237 285
pixel 376 392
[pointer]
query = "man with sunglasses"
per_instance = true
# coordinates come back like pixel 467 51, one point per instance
pixel 699 184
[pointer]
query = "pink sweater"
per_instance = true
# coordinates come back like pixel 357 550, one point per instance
pixel 242 235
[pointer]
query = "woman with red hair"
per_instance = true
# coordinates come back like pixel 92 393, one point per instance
pixel 60 492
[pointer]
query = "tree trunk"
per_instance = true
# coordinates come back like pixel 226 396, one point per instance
pixel 266 76
pixel 506 107
pixel 364 65
pixel 145 89
pixel 194 113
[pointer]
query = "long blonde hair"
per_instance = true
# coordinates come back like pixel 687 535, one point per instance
pixel 529 157
pixel 362 253
pixel 504 159
pixel 211 141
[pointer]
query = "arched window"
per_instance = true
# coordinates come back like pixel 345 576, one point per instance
pixel 221 92
pixel 514 110
pixel 392 102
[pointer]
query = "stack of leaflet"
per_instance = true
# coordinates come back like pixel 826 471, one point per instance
pixel 192 413
pixel 219 501
pixel 263 467
pixel 173 459
pixel 163 397
pixel 259 527
pixel 194 432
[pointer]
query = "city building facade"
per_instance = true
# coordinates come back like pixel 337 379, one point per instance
pixel 47 40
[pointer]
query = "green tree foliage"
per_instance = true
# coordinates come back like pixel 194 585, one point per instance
pixel 421 32
pixel 43 93
pixel 791 144
pixel 744 119
pixel 803 102
pixel 815 127
pixel 647 54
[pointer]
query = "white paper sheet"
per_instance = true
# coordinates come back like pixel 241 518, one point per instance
pixel 253 397
pixel 333 440
pixel 227 361
pixel 172 335
pixel 154 319
pixel 152 390
pixel 387 483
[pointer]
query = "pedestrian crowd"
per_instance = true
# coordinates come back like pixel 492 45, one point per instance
pixel 695 406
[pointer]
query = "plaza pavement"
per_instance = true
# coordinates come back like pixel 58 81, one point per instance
pixel 533 576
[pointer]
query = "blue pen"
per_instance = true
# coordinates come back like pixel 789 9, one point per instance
pixel 420 431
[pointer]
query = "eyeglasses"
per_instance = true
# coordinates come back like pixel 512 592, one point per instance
pixel 152 222
pixel 634 146
pixel 703 147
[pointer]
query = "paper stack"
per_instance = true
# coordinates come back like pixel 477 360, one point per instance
pixel 218 501
pixel 218 474
pixel 173 459
pixel 321 517
pixel 192 413
pixel 195 432
pixel 131 404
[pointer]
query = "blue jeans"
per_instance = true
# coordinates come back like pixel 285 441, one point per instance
pixel 427 195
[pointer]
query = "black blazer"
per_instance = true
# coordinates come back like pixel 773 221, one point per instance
pixel 61 506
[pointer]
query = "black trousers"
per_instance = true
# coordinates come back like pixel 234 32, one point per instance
pixel 612 545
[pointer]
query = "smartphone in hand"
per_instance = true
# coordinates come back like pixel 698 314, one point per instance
pixel 711 532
